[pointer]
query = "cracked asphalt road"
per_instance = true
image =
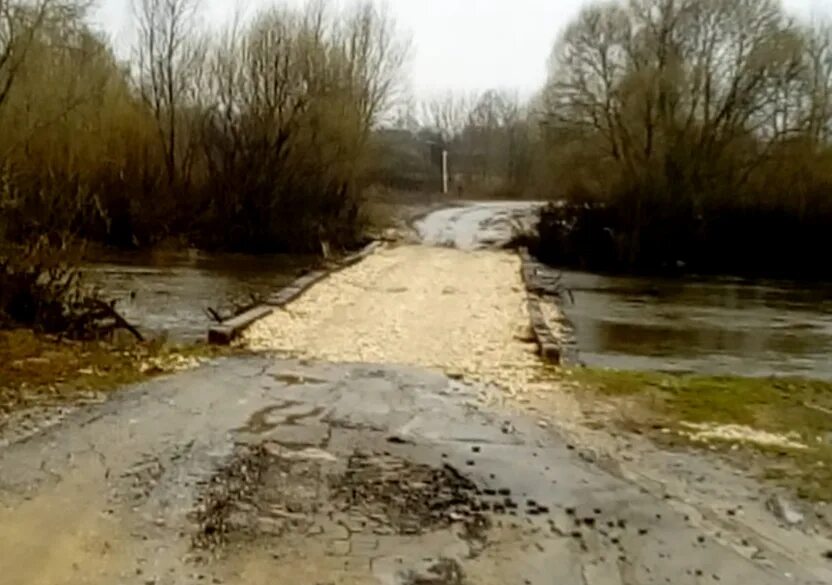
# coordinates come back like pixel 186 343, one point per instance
pixel 265 469
pixel 114 494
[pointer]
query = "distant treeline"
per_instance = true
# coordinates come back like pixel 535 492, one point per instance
pixel 488 136
pixel 253 138
pixel 689 134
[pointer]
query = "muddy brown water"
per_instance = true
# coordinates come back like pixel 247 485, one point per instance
pixel 167 293
pixel 709 326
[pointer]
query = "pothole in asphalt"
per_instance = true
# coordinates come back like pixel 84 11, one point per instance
pixel 410 498
pixel 225 494
pixel 269 491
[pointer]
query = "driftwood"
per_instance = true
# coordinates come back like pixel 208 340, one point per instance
pixel 238 308
pixel 213 315
pixel 41 287
pixel 96 316
pixel 109 311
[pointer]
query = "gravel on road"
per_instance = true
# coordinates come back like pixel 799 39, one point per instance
pixel 460 312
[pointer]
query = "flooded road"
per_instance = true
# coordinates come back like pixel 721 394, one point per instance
pixel 477 225
pixel 167 293
pixel 704 326
pixel 714 326
pixel 719 327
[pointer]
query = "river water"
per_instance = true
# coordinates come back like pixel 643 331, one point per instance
pixel 165 294
pixel 711 326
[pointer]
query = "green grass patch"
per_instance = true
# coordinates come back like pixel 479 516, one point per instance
pixel 653 402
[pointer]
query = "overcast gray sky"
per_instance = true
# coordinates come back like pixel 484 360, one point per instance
pixel 459 45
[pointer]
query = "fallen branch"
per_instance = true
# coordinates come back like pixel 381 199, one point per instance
pixel 213 315
pixel 98 310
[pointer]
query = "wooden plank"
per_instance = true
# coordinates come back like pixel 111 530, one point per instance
pixel 227 331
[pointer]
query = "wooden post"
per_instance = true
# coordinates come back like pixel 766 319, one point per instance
pixel 444 171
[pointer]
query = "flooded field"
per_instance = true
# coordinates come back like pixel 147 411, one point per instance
pixel 713 326
pixel 168 293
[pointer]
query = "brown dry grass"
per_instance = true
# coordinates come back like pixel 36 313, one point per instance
pixel 40 370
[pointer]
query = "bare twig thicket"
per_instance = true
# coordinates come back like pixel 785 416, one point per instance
pixel 252 139
pixel 488 136
pixel 699 130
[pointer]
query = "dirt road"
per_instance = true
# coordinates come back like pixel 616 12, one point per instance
pixel 357 459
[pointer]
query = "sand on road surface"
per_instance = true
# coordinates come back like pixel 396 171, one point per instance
pixel 460 312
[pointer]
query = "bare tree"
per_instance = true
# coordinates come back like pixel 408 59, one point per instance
pixel 448 114
pixel 376 54
pixel 659 73
pixel 166 59
pixel 19 25
pixel 818 109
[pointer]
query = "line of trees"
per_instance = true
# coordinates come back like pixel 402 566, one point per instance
pixel 687 132
pixel 253 138
pixel 695 132
pixel 488 138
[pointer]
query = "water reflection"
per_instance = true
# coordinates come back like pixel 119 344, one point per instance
pixel 166 293
pixel 716 326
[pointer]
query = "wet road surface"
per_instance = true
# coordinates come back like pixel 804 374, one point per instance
pixel 478 225
pixel 252 470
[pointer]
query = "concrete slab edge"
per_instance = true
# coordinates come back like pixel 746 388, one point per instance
pixel 551 348
pixel 226 332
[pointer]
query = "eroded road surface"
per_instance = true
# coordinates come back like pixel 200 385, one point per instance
pixel 470 226
pixel 371 441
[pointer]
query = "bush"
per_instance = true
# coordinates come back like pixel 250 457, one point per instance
pixel 256 139
pixel 689 161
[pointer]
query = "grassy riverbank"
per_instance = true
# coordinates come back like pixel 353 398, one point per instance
pixel 781 428
pixel 40 370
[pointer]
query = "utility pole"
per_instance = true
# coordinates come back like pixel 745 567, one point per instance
pixel 444 171
pixel 439 155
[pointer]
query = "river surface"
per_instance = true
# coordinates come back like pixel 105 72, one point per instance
pixel 166 294
pixel 712 326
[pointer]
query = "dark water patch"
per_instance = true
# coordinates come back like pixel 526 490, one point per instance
pixel 709 326
pixel 167 293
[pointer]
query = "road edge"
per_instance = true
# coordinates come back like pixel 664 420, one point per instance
pixel 551 348
pixel 227 331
